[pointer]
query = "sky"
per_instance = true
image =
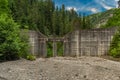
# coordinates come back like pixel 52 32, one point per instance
pixel 87 6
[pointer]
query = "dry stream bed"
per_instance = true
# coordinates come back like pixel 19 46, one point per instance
pixel 61 68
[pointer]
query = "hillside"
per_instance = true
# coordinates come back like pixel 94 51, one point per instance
pixel 100 19
pixel 115 20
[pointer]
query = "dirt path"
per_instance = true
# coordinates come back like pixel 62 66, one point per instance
pixel 83 68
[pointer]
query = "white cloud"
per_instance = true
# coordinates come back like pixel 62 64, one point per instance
pixel 92 6
pixel 103 4
pixel 94 10
pixel 69 8
pixel 116 0
pixel 106 6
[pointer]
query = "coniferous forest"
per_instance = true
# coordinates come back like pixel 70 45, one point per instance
pixel 38 15
pixel 44 16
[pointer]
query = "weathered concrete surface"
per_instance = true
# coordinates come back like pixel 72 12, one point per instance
pixel 83 68
pixel 91 42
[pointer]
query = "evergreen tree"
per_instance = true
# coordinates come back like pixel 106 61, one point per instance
pixel 12 46
pixel 42 15
pixel 3 6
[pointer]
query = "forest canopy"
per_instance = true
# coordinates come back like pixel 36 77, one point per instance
pixel 39 15
pixel 44 16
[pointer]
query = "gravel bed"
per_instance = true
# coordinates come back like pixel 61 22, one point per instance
pixel 61 68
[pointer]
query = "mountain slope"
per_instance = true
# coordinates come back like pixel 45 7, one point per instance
pixel 102 18
pixel 114 20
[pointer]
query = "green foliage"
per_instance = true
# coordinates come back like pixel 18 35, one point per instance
pixel 24 45
pixel 60 48
pixel 31 57
pixel 42 15
pixel 9 38
pixel 115 45
pixel 12 46
pixel 3 6
pixel 115 20
pixel 49 49
pixel 100 19
pixel 49 52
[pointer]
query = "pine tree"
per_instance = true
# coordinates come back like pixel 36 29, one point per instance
pixel 11 45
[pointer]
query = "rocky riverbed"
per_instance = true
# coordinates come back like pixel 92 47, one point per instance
pixel 61 68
